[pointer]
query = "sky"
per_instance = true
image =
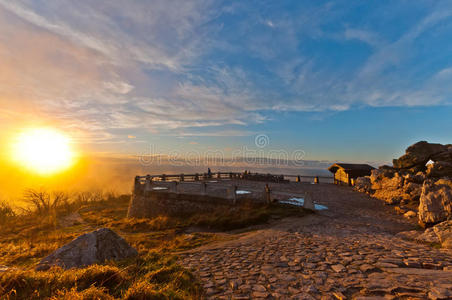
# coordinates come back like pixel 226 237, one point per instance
pixel 336 80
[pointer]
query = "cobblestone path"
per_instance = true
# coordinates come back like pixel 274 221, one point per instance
pixel 347 252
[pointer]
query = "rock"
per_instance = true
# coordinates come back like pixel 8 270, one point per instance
pixel 439 169
pixel 400 210
pixel 259 288
pixel 439 293
pixel 412 191
pixel 420 272
pixel 71 220
pixel 339 296
pixel 443 156
pixel 377 176
pixel 428 236
pixel 338 268
pixel 389 196
pixel 410 214
pixel 444 232
pixel 387 185
pixel 436 202
pixel 417 177
pixel 90 248
pixel 393 182
pixel 260 294
pixel 363 184
pixel 418 154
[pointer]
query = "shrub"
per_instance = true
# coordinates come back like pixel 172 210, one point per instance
pixel 6 212
pixel 45 203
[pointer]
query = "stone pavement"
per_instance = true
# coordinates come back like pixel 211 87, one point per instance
pixel 347 252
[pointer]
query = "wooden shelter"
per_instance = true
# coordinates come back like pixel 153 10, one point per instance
pixel 347 173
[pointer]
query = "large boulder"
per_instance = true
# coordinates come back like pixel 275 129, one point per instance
pixel 428 236
pixel 363 184
pixel 435 202
pixel 90 248
pixel 417 177
pixel 418 154
pixel 381 178
pixel 438 234
pixel 387 185
pixel 444 232
pixel 444 155
pixel 439 169
pixel 412 191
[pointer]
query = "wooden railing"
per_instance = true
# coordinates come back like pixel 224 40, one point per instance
pixel 228 175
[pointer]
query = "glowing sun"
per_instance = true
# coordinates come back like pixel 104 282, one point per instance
pixel 43 150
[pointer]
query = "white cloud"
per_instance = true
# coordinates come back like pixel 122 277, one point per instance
pixel 363 35
pixel 184 66
pixel 270 23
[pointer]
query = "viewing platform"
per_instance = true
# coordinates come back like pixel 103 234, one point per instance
pixel 157 194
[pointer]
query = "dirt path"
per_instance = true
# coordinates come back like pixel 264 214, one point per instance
pixel 348 251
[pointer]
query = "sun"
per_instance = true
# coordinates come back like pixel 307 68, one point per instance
pixel 43 150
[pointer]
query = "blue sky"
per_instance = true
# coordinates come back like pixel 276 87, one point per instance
pixel 340 80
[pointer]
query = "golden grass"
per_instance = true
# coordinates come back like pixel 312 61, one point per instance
pixel 28 237
pixel 154 274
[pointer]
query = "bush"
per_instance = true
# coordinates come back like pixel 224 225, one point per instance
pixel 6 212
pixel 45 203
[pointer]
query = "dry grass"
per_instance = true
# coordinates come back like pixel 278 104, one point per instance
pixel 153 274
pixel 28 237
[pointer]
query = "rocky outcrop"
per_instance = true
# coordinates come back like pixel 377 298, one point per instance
pixel 363 184
pixel 439 169
pixel 444 155
pixel 90 248
pixel 388 185
pixel 428 236
pixel 411 181
pixel 418 154
pixel 444 232
pixel 438 234
pixel 435 202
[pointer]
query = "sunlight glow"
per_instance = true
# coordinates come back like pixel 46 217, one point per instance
pixel 43 150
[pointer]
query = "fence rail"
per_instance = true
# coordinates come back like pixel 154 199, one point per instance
pixel 231 192
pixel 227 175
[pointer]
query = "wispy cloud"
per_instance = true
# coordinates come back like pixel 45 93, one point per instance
pixel 198 67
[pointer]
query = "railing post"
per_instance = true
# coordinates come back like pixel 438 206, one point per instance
pixel 173 187
pixel 298 178
pixel 308 202
pixel 230 175
pixel 148 184
pixel 268 196
pixel 219 175
pixel 234 194
pixel 316 179
pixel 196 177
pixel 163 177
pixel 181 178
pixel 203 188
pixel 137 185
